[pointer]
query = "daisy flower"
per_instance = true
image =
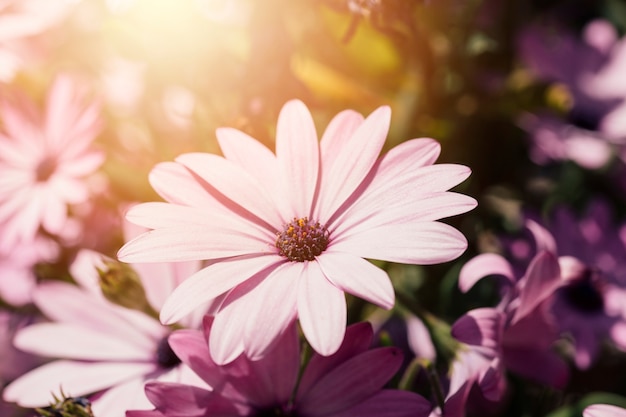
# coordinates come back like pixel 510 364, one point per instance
pixel 286 234
pixel 100 347
pixel 347 383
pixel 43 159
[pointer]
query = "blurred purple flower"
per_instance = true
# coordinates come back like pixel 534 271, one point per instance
pixel 43 159
pixel 102 346
pixel 347 383
pixel 593 130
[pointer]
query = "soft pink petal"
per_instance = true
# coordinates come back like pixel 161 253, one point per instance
pixel 192 349
pixel 543 238
pixel 249 154
pixel 419 338
pixel 271 310
pixel 156 215
pixel 177 400
pixel 321 309
pixel 128 395
pixel 419 243
pixel 351 382
pixel 78 342
pixel 542 278
pixel 34 388
pixel 389 403
pixel 484 265
pixel 604 410
pixel 211 282
pixel 359 277
pixel 176 184
pixel 349 157
pixel 297 151
pixel 231 320
pixel 235 184
pixel 189 243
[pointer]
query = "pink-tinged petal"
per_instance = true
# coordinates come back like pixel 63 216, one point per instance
pixel 158 215
pixel 480 327
pixel 419 339
pixel 541 365
pixel 81 309
pixel 604 410
pixel 190 243
pixel 389 403
pixel 357 340
pixel 177 400
pixel 349 157
pixel 78 342
pixel 492 381
pixel 75 378
pixel 176 184
pixel 128 395
pixel 359 277
pixel 271 309
pixel 144 413
pixel 84 165
pixel 297 152
pixel 404 190
pixel 484 265
pixel 586 345
pixel 542 278
pixel 236 185
pixel 543 238
pixel 226 342
pixel 419 243
pixel 351 382
pixel 249 154
pixel 321 309
pixel 55 215
pixel 211 282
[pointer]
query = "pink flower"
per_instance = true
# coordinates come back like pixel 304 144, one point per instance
pixel 347 383
pixel 604 410
pixel 286 234
pixel 17 269
pixel 43 159
pixel 100 345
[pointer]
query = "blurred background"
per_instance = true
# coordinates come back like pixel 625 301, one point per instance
pixel 530 94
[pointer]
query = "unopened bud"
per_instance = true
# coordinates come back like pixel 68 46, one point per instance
pixel 121 285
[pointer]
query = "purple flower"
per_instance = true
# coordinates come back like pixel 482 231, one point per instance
pixel 347 383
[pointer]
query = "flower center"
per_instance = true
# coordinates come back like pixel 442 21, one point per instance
pixel 585 294
pixel 45 169
pixel 166 357
pixel 302 240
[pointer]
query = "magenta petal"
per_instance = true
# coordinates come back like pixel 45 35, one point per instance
pixel 297 151
pixel 389 403
pixel 192 349
pixel 359 277
pixel 542 278
pixel 604 410
pixel 543 238
pixel 544 366
pixel 321 309
pixel 351 382
pixel 483 265
pixel 177 400
pixel 480 327
pixel 357 340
